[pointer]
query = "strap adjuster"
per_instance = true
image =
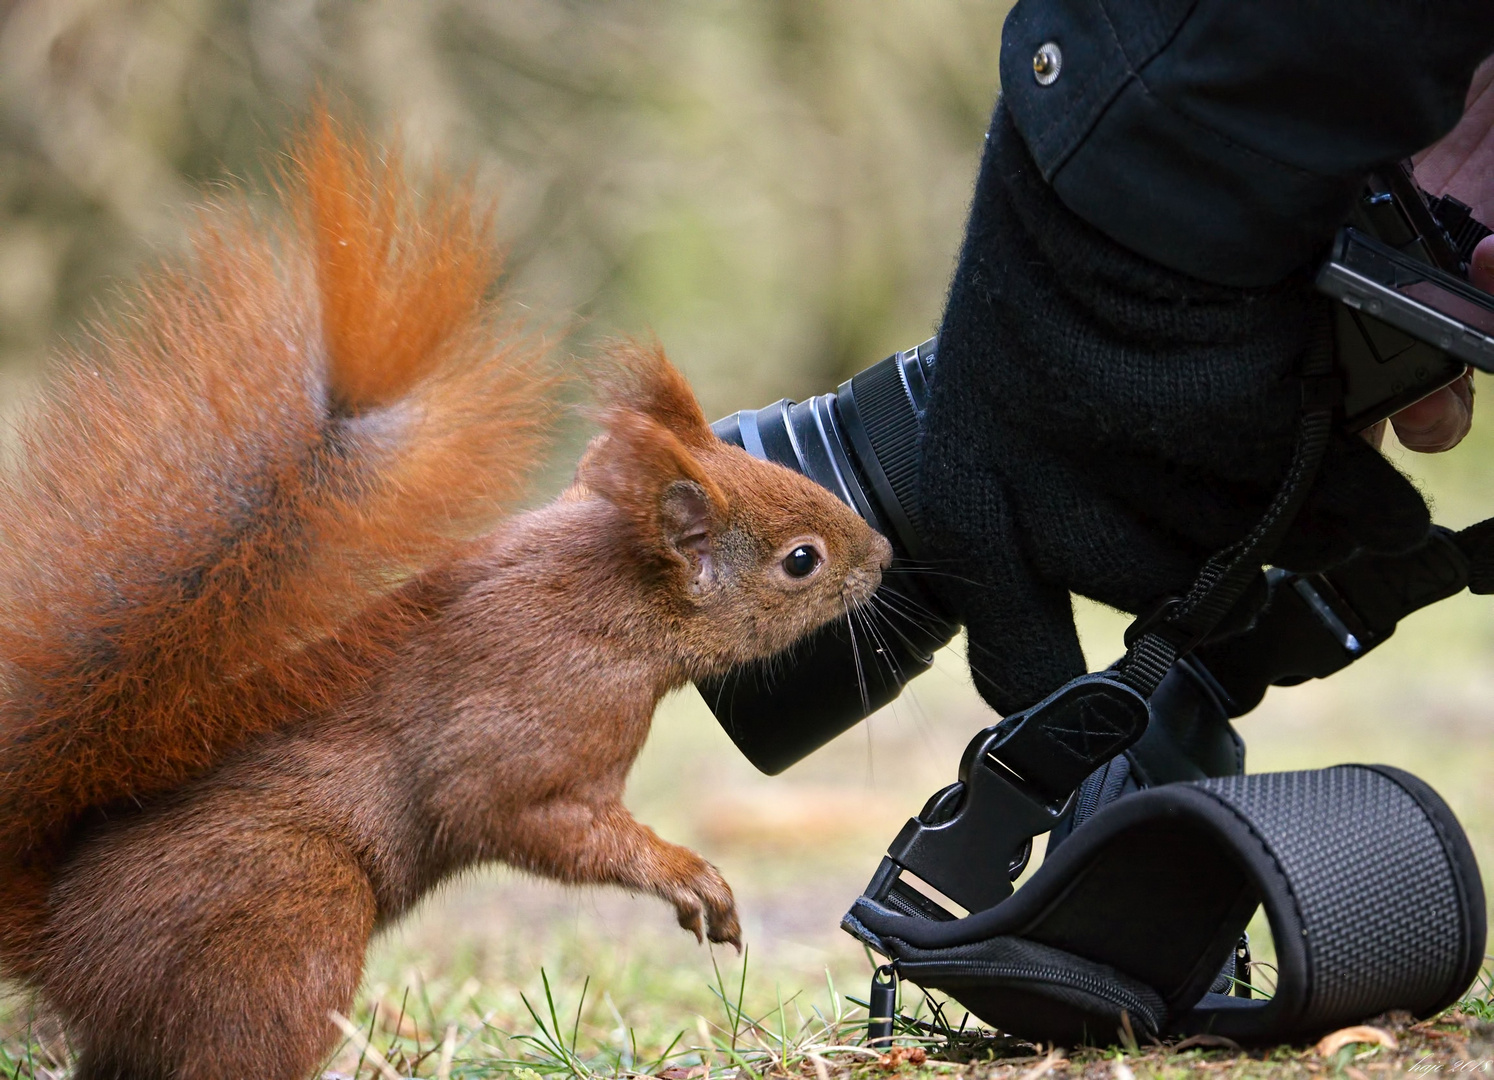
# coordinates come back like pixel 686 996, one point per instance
pixel 1162 620
pixel 1154 619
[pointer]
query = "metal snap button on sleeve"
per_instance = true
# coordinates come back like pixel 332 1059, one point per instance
pixel 1047 62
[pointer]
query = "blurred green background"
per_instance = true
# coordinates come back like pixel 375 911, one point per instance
pixel 776 188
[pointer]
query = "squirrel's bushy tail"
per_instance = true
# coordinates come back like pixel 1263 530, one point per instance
pixel 212 510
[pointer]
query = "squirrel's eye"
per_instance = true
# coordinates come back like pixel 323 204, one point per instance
pixel 801 561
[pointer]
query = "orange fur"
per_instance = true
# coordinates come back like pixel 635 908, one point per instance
pixel 640 380
pixel 274 661
pixel 190 510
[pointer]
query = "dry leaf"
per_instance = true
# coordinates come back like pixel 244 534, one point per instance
pixel 1362 1033
pixel 1208 1041
pixel 900 1055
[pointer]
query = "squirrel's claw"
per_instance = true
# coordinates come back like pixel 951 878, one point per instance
pixel 724 928
pixel 707 909
pixel 689 912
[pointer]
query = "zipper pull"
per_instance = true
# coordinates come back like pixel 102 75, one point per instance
pixel 883 1002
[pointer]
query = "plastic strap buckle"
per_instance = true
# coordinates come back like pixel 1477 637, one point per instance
pixel 1016 782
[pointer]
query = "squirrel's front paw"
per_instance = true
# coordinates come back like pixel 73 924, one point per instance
pixel 706 907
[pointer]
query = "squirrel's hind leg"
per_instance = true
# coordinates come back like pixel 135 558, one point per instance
pixel 197 945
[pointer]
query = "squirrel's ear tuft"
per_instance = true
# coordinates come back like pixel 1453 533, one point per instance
pixel 640 378
pixel 673 507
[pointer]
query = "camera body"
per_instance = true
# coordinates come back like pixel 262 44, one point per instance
pixel 1407 323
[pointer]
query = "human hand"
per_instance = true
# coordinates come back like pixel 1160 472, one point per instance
pixel 1101 425
pixel 1460 164
pixel 1112 407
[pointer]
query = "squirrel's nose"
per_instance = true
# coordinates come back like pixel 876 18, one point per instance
pixel 881 551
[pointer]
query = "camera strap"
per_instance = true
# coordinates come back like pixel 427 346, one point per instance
pixel 1369 883
pixel 1018 778
pixel 1047 751
pixel 1176 627
pixel 1310 626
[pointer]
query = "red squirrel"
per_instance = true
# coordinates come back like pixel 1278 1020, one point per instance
pixel 277 656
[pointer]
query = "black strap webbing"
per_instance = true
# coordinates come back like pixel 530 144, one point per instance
pixel 1179 626
pixel 1055 744
pixel 1477 543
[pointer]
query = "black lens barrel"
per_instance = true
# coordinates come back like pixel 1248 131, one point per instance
pixel 805 436
pixel 862 444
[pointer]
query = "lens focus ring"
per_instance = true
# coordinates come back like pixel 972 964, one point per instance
pixel 882 422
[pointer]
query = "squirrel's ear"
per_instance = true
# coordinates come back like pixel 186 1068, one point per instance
pixel 639 378
pixel 689 527
pixel 673 508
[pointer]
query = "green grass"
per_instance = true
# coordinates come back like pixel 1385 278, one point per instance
pixel 434 1028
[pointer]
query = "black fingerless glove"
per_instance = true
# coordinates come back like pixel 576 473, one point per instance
pixel 1101 424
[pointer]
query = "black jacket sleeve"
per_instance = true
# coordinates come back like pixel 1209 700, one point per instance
pixel 1116 396
pixel 1226 138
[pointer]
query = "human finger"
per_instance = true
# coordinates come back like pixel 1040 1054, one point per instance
pixel 1439 421
pixel 1481 266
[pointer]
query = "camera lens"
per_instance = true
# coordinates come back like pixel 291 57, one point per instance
pixel 861 443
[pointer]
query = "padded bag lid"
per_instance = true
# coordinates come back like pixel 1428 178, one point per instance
pixel 1368 881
